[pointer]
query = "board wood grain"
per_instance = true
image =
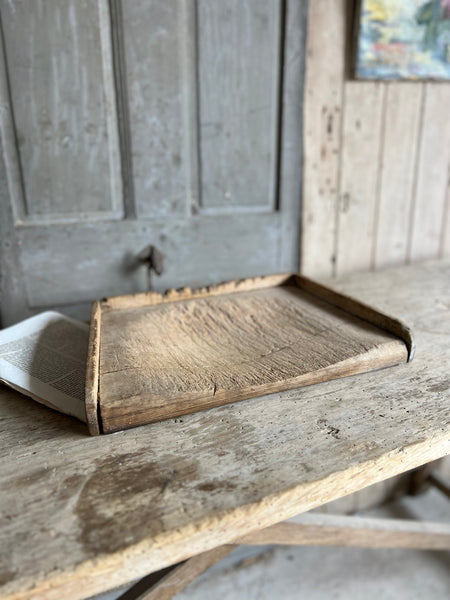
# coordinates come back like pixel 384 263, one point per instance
pixel 322 109
pixel 209 347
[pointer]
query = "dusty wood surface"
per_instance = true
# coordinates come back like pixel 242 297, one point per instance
pixel 165 360
pixel 82 514
pixel 337 530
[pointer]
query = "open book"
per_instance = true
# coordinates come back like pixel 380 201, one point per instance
pixel 44 357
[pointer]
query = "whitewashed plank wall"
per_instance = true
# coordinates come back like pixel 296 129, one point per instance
pixel 376 179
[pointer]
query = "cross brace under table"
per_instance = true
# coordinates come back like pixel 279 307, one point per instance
pixel 308 529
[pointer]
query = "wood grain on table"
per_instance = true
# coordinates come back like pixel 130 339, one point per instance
pixel 83 514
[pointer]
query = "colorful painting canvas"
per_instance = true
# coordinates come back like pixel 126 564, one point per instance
pixel 403 39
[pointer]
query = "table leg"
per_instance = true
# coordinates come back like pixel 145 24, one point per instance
pixel 164 584
pixel 308 529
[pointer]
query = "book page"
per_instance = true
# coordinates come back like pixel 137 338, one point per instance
pixel 44 357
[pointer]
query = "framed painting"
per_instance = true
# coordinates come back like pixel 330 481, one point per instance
pixel 403 39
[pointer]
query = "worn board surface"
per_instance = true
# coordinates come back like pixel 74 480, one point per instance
pixel 211 347
pixel 82 514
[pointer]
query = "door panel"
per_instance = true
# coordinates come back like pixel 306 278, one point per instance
pixel 125 124
pixel 153 44
pixel 63 109
pixel 239 75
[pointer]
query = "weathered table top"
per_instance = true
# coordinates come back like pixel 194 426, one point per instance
pixel 80 515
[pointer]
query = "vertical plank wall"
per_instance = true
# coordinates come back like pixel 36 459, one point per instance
pixel 376 173
pixel 376 160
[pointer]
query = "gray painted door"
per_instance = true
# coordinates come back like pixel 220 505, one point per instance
pixel 174 123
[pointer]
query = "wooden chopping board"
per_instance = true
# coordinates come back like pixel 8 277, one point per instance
pixel 154 356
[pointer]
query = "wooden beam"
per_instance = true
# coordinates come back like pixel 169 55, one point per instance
pixel 308 529
pixel 436 480
pixel 164 584
pixel 336 530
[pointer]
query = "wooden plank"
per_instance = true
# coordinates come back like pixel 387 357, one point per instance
pixel 322 115
pixel 238 102
pixel 307 529
pixel 176 578
pixel 153 46
pixel 361 144
pixel 166 360
pixel 104 511
pixel 438 482
pixel 432 178
pixel 335 530
pixel 398 167
pixel 64 113
pixel 185 293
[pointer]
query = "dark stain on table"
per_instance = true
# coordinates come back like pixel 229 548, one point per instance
pixel 101 504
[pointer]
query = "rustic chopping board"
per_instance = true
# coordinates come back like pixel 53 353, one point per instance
pixel 154 356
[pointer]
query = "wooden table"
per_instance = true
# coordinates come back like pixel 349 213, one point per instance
pixel 80 515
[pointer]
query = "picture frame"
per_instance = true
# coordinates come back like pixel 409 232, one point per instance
pixel 402 40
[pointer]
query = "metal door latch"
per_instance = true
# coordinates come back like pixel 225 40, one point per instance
pixel 153 259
